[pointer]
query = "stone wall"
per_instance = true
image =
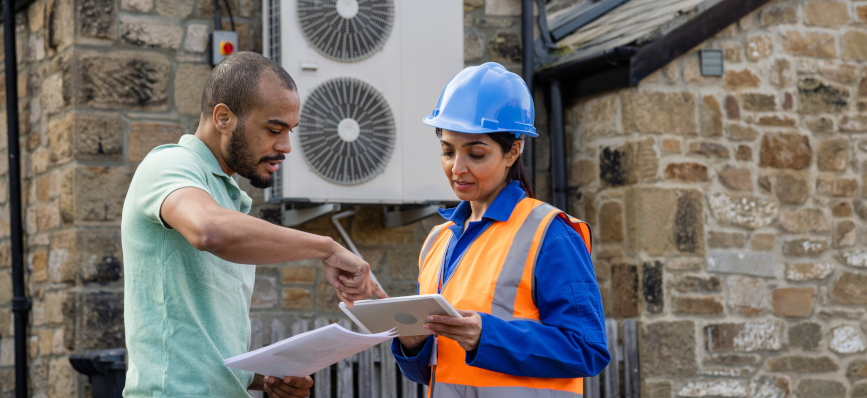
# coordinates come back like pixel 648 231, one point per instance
pixel 101 82
pixel 729 211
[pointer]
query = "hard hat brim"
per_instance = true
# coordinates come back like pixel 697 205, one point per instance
pixel 441 123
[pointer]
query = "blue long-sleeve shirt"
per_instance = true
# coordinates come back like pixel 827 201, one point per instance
pixel 570 342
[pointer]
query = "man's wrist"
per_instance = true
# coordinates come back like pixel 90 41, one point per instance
pixel 258 383
pixel 327 247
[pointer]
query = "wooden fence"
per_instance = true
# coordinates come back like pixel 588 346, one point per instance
pixel 373 373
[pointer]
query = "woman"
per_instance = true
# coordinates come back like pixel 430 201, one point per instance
pixel 518 270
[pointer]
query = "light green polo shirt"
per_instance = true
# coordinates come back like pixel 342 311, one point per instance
pixel 185 310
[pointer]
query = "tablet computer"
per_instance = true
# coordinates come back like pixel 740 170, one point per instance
pixel 405 314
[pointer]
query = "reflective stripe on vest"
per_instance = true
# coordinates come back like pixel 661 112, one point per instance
pixel 495 276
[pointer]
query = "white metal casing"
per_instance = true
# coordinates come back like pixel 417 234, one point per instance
pixel 422 53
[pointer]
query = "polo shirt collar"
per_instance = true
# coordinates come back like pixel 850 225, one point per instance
pixel 500 210
pixel 198 147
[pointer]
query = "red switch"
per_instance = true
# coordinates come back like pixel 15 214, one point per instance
pixel 226 48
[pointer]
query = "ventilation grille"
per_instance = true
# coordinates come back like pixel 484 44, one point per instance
pixel 346 30
pixel 347 131
pixel 276 193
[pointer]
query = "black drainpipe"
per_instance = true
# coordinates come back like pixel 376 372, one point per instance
pixel 20 303
pixel 558 145
pixel 528 71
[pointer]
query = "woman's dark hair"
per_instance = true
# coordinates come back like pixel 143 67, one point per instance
pixel 518 171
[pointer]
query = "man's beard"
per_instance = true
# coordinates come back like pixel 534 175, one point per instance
pixel 240 158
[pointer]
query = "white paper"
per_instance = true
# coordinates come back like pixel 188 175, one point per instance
pixel 307 353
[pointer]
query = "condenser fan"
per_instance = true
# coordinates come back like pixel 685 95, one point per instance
pixel 347 131
pixel 346 30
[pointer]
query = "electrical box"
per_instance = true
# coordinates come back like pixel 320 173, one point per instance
pixel 223 44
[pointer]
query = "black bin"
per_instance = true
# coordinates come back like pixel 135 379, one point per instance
pixel 106 370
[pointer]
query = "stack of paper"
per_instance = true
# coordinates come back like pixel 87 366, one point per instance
pixel 307 353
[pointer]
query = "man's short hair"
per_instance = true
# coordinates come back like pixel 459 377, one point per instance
pixel 235 82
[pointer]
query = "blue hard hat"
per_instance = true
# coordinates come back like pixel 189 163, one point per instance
pixel 485 99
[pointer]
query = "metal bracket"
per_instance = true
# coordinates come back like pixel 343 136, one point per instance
pixel 399 217
pixel 295 217
pixel 21 304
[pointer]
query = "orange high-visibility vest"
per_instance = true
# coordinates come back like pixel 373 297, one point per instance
pixel 494 276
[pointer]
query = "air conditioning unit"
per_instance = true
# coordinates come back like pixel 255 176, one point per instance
pixel 367 72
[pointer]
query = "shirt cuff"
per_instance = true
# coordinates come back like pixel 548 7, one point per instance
pixel 422 357
pixel 487 324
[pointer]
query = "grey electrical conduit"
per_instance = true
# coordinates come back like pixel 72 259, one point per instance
pixel 335 219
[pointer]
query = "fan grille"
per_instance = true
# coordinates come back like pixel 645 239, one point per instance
pixel 347 131
pixel 346 30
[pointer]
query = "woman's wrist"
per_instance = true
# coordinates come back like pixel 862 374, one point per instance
pixel 412 345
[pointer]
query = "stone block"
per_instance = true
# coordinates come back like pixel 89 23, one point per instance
pixel 714 388
pixel 781 73
pixel 403 263
pixel 54 303
pixel 264 292
pixel 837 187
pixel 503 7
pixel 64 379
pixel 583 172
pixel 662 221
pixel 839 72
pixel 845 234
pixel 659 112
pixel 140 80
pixel 710 149
pixel 739 132
pixel 628 164
pixel 299 274
pixel 842 209
pixel 857 369
pixel 698 305
pixel 810 44
pixel 196 40
pixel 733 110
pixel 859 390
pixel 786 151
pixel 796 302
pixel 326 298
pixel 804 247
pixel 651 287
pixel 671 146
pixel 656 389
pixel 736 80
pixel 137 5
pixel 817 97
pixel 48 216
pixel 144 137
pixel 854 257
pixel 805 336
pixel 178 8
pixel 737 178
pixel 744 337
pixel 769 387
pixel 302 299
pixel 611 222
pixel 846 339
pixel 804 221
pixel 820 125
pixel 855 45
pixel 506 48
pixel 732 52
pixel 800 272
pixel 744 153
pixel 85 136
pixel 853 124
pixel 711 117
pixel 93 320
pixel 776 14
pixel 745 211
pixel 151 33
pixel 746 295
pixel 687 172
pixel 802 364
pixel 698 283
pixel 97 19
pixel 667 349
pixel 833 155
pixel 601 117
pixel 778 121
pixel 826 13
pixel 7 352
pixel 624 282
pixel 94 193
pixel 816 388
pixel 189 83
pixel 40 267
pixel 474 45
pixel 759 47
pixel 718 239
pixel 791 189
pixel 850 289
pixel 470 5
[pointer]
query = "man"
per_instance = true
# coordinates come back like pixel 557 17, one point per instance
pixel 187 241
